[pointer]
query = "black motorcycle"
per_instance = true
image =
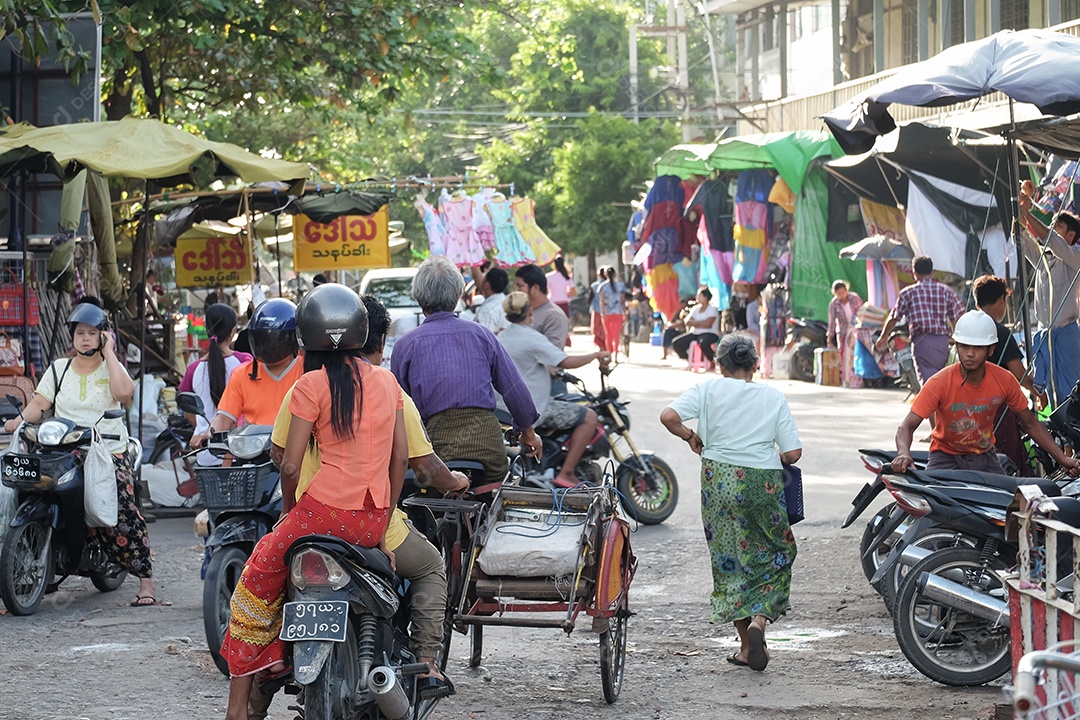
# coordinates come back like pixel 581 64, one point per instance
pixel 347 620
pixel 47 537
pixel 243 501
pixel 648 489
pixel 950 615
pixel 804 337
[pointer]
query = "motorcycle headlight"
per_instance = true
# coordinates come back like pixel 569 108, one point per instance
pixel 276 495
pixel 51 432
pixel 247 447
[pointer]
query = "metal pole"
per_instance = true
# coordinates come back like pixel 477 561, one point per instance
pixel 1014 210
pixel 634 75
pixel 838 71
pixel 684 70
pixel 717 97
pixel 879 35
pixel 782 41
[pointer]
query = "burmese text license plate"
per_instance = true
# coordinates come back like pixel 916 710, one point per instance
pixel 311 620
pixel 20 470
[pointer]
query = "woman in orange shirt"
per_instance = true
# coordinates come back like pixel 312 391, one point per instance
pixel 354 411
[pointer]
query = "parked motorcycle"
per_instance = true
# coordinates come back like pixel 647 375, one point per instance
pixel 243 502
pixel 47 537
pixel 950 615
pixel 349 633
pixel 648 489
pixel 804 337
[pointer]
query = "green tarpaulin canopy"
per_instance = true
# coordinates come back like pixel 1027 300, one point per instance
pixel 789 152
pixel 138 148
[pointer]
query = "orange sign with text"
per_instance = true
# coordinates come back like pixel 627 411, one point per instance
pixel 206 262
pixel 346 243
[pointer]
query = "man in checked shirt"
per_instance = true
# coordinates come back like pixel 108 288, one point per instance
pixel 931 309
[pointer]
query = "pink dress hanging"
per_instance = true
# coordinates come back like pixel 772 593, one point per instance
pixel 433 224
pixel 462 245
pixel 485 231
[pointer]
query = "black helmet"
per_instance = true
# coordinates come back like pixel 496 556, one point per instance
pixel 272 331
pixel 331 317
pixel 87 314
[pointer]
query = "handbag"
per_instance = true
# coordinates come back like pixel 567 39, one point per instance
pixel 793 494
pixel 100 501
pixel 11 355
pixel 11 302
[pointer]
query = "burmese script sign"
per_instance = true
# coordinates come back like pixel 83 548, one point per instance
pixel 206 262
pixel 346 243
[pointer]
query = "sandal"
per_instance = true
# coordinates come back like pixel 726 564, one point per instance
pixel 148 601
pixel 734 660
pixel 756 657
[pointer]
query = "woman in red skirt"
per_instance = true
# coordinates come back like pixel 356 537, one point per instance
pixel 354 411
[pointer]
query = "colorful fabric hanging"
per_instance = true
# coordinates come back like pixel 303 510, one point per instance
pixel 433 224
pixel 543 248
pixel 511 250
pixel 485 231
pixel 664 289
pixel 462 245
pixel 753 226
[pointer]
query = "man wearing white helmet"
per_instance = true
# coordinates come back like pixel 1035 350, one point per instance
pixel 965 398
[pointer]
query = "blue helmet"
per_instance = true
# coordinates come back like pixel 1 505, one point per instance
pixel 272 331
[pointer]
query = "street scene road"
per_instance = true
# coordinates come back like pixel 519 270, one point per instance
pixel 88 655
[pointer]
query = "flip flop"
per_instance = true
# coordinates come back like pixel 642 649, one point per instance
pixel 756 657
pixel 734 660
pixel 140 601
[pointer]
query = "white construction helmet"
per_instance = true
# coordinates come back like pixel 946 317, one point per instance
pixel 975 328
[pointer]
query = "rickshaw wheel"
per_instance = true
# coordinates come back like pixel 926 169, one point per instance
pixel 476 635
pixel 613 653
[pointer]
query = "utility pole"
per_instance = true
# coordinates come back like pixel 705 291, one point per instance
pixel 678 74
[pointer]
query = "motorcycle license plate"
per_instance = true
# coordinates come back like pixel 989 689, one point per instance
pixel 20 469
pixel 310 620
pixel 903 354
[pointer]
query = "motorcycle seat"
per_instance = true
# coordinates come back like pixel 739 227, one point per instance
pixel 1007 483
pixel 921 457
pixel 371 559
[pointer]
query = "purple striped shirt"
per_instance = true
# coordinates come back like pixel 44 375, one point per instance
pixel 450 363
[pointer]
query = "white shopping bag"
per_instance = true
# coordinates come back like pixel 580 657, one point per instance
pixel 9 497
pixel 100 501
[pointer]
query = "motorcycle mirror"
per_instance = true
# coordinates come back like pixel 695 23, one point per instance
pixel 112 414
pixel 189 402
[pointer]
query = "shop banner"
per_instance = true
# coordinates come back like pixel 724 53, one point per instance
pixel 206 262
pixel 347 243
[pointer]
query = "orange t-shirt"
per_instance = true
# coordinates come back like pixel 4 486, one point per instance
pixel 257 401
pixel 353 468
pixel 965 412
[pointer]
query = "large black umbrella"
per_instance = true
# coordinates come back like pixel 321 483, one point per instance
pixel 1040 67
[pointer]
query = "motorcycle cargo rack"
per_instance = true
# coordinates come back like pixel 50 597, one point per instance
pixel 236 487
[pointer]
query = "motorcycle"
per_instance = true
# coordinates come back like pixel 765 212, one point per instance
pixel 950 615
pixel 648 489
pixel 243 502
pixel 806 336
pixel 348 626
pixel 900 346
pixel 47 536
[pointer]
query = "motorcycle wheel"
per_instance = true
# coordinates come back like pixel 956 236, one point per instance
pixel 948 645
pixel 110 579
pixel 802 363
pixel 26 567
pixel 613 653
pixel 648 489
pixel 331 695
pixel 476 650
pixel 934 540
pixel 222 574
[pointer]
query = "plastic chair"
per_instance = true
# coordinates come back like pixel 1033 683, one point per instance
pixel 697 361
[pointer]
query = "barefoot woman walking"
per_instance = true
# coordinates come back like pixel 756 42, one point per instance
pixel 740 427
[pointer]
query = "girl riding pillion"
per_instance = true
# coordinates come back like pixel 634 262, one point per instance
pixel 354 410
pixel 82 388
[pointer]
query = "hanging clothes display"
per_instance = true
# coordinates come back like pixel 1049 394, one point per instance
pixel 662 235
pixel 485 231
pixel 511 250
pixel 714 235
pixel 543 248
pixel 433 224
pixel 882 283
pixel 462 245
pixel 753 225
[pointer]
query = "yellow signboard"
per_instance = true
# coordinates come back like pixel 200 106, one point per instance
pixel 206 262
pixel 347 243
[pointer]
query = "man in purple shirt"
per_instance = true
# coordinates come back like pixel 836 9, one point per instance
pixel 452 368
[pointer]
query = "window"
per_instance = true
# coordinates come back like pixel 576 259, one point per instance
pixel 955 8
pixel 1070 10
pixel 909 33
pixel 1015 14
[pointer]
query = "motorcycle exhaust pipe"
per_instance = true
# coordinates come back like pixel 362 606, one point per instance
pixel 389 695
pixel 912 555
pixel 965 599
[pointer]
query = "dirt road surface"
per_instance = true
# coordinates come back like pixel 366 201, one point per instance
pixel 88 655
